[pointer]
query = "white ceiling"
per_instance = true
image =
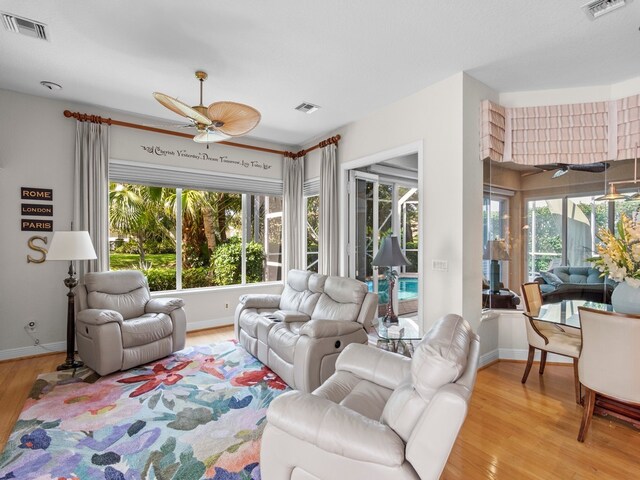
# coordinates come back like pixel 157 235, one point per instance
pixel 350 57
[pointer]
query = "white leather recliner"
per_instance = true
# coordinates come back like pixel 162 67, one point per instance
pixel 120 326
pixel 380 416
pixel 300 333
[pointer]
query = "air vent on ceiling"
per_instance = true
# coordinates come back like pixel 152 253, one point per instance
pixel 306 107
pixel 24 26
pixel 597 8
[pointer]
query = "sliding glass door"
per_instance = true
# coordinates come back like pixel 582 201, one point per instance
pixel 379 208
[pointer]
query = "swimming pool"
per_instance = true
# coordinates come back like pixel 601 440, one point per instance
pixel 407 288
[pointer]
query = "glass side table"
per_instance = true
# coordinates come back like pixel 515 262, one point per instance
pixel 397 337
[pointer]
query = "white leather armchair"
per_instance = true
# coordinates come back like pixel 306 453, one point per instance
pixel 300 333
pixel 380 415
pixel 120 326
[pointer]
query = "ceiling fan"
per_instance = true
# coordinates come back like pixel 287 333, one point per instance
pixel 562 168
pixel 218 121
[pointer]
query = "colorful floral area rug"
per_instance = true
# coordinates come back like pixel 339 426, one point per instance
pixel 197 414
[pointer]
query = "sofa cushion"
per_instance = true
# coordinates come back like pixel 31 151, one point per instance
pixel 123 291
pixel 551 278
pixel 283 340
pixel 295 289
pixel 441 356
pixel 249 321
pixel 345 290
pixel 145 329
pixel 578 274
pixel 329 309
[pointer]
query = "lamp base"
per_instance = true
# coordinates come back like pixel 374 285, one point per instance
pixel 70 364
pixel 390 320
pixel 494 276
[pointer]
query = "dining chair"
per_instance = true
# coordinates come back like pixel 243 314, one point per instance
pixel 609 364
pixel 547 337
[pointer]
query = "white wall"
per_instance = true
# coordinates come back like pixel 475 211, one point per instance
pixel 439 118
pixel 37 150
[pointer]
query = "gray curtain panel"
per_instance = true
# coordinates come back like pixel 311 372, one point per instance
pixel 91 191
pixel 328 261
pixel 294 228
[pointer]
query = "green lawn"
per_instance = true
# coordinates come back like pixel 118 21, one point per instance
pixel 121 261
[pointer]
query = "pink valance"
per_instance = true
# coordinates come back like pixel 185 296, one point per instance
pixel 577 133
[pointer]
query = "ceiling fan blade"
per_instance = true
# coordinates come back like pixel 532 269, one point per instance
pixel 551 166
pixel 210 136
pixel 181 108
pixel 236 118
pixel 597 167
pixel 170 125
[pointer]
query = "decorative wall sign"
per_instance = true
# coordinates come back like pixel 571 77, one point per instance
pixel 37 248
pixel 223 159
pixel 30 193
pixel 36 210
pixel 29 225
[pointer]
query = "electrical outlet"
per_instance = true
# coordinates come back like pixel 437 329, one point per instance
pixel 31 326
pixel 226 306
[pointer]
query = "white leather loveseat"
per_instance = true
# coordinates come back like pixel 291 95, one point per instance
pixel 300 333
pixel 380 416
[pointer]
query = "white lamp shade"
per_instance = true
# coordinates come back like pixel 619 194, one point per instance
pixel 71 246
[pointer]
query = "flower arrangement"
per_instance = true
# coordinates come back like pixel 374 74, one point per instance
pixel 619 253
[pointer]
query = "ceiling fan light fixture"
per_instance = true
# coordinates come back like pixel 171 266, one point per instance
pixel 560 172
pixel 210 136
pixel 613 194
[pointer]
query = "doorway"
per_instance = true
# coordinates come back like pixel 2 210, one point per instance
pixel 383 201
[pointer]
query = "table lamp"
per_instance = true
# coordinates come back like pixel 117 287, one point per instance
pixel 496 251
pixel 390 255
pixel 71 246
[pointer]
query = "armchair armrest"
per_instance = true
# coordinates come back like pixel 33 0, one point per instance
pixel 97 316
pixel 260 300
pixel 329 328
pixel 383 368
pixel 336 429
pixel 163 305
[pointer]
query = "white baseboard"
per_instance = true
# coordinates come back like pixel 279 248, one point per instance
pixel 488 358
pixel 522 354
pixel 216 322
pixel 12 353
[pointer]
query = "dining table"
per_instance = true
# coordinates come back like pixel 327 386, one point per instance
pixel 565 312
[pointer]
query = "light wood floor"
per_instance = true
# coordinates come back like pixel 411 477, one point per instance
pixel 512 431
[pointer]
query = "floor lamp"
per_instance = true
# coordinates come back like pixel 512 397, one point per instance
pixel 390 255
pixel 71 246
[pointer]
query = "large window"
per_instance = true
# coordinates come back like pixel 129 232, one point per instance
pixel 563 231
pixel 188 238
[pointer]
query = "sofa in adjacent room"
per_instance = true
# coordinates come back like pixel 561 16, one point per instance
pixel 574 283
pixel 300 333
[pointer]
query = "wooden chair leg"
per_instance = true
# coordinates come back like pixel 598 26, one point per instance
pixel 532 352
pixel 587 414
pixel 576 381
pixel 543 360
